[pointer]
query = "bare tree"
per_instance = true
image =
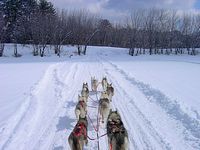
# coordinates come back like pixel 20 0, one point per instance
pixel 90 30
pixel 60 31
pixel 104 27
pixel 195 30
pixel 172 22
pixel 135 25
pixel 186 29
pixel 89 39
pixel 150 19
pixel 83 28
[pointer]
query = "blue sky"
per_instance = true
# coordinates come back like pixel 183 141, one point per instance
pixel 197 4
pixel 118 8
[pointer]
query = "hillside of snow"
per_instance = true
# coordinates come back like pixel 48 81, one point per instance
pixel 157 96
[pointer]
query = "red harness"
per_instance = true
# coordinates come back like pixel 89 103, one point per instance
pixel 79 130
pixel 110 146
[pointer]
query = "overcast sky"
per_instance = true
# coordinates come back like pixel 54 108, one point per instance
pixel 116 8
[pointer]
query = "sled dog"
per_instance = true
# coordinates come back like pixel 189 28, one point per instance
pixel 110 91
pixel 81 108
pixel 78 138
pixel 117 134
pixel 104 105
pixel 85 90
pixel 94 84
pixel 104 83
pixel 82 98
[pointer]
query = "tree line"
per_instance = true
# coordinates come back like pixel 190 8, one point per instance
pixel 152 31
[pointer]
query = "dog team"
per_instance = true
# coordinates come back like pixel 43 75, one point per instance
pixel 116 132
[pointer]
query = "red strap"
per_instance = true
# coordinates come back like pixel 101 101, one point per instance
pixel 110 146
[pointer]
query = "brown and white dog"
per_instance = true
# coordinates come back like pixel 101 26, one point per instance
pixel 85 90
pixel 104 105
pixel 104 83
pixel 94 84
pixel 110 91
pixel 117 134
pixel 78 138
pixel 81 107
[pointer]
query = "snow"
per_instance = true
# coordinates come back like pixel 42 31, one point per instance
pixel 157 97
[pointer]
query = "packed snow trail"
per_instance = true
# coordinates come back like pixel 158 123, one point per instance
pixel 46 118
pixel 44 103
pixel 184 125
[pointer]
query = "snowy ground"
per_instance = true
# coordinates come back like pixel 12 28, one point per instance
pixel 157 96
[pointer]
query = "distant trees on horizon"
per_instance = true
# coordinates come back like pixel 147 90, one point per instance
pixel 37 22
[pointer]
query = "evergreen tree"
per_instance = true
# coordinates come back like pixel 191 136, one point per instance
pixel 2 31
pixel 27 11
pixel 11 10
pixel 46 7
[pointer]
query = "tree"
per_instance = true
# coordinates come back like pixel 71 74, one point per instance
pixel 150 27
pixel 172 22
pixel 104 27
pixel 43 25
pixel 82 25
pixel 60 31
pixel 186 30
pixel 27 9
pixel 2 32
pixel 135 25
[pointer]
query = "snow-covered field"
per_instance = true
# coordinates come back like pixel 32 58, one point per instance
pixel 157 96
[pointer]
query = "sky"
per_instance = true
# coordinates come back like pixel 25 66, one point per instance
pixel 113 9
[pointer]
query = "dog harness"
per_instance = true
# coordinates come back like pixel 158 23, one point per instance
pixel 79 130
pixel 116 127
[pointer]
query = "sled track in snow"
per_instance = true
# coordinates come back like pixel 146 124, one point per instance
pixel 172 108
pixel 59 89
pixel 134 111
pixel 59 140
pixel 26 108
pixel 26 105
pixel 28 120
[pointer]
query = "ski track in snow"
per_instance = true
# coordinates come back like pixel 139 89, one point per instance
pixel 191 125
